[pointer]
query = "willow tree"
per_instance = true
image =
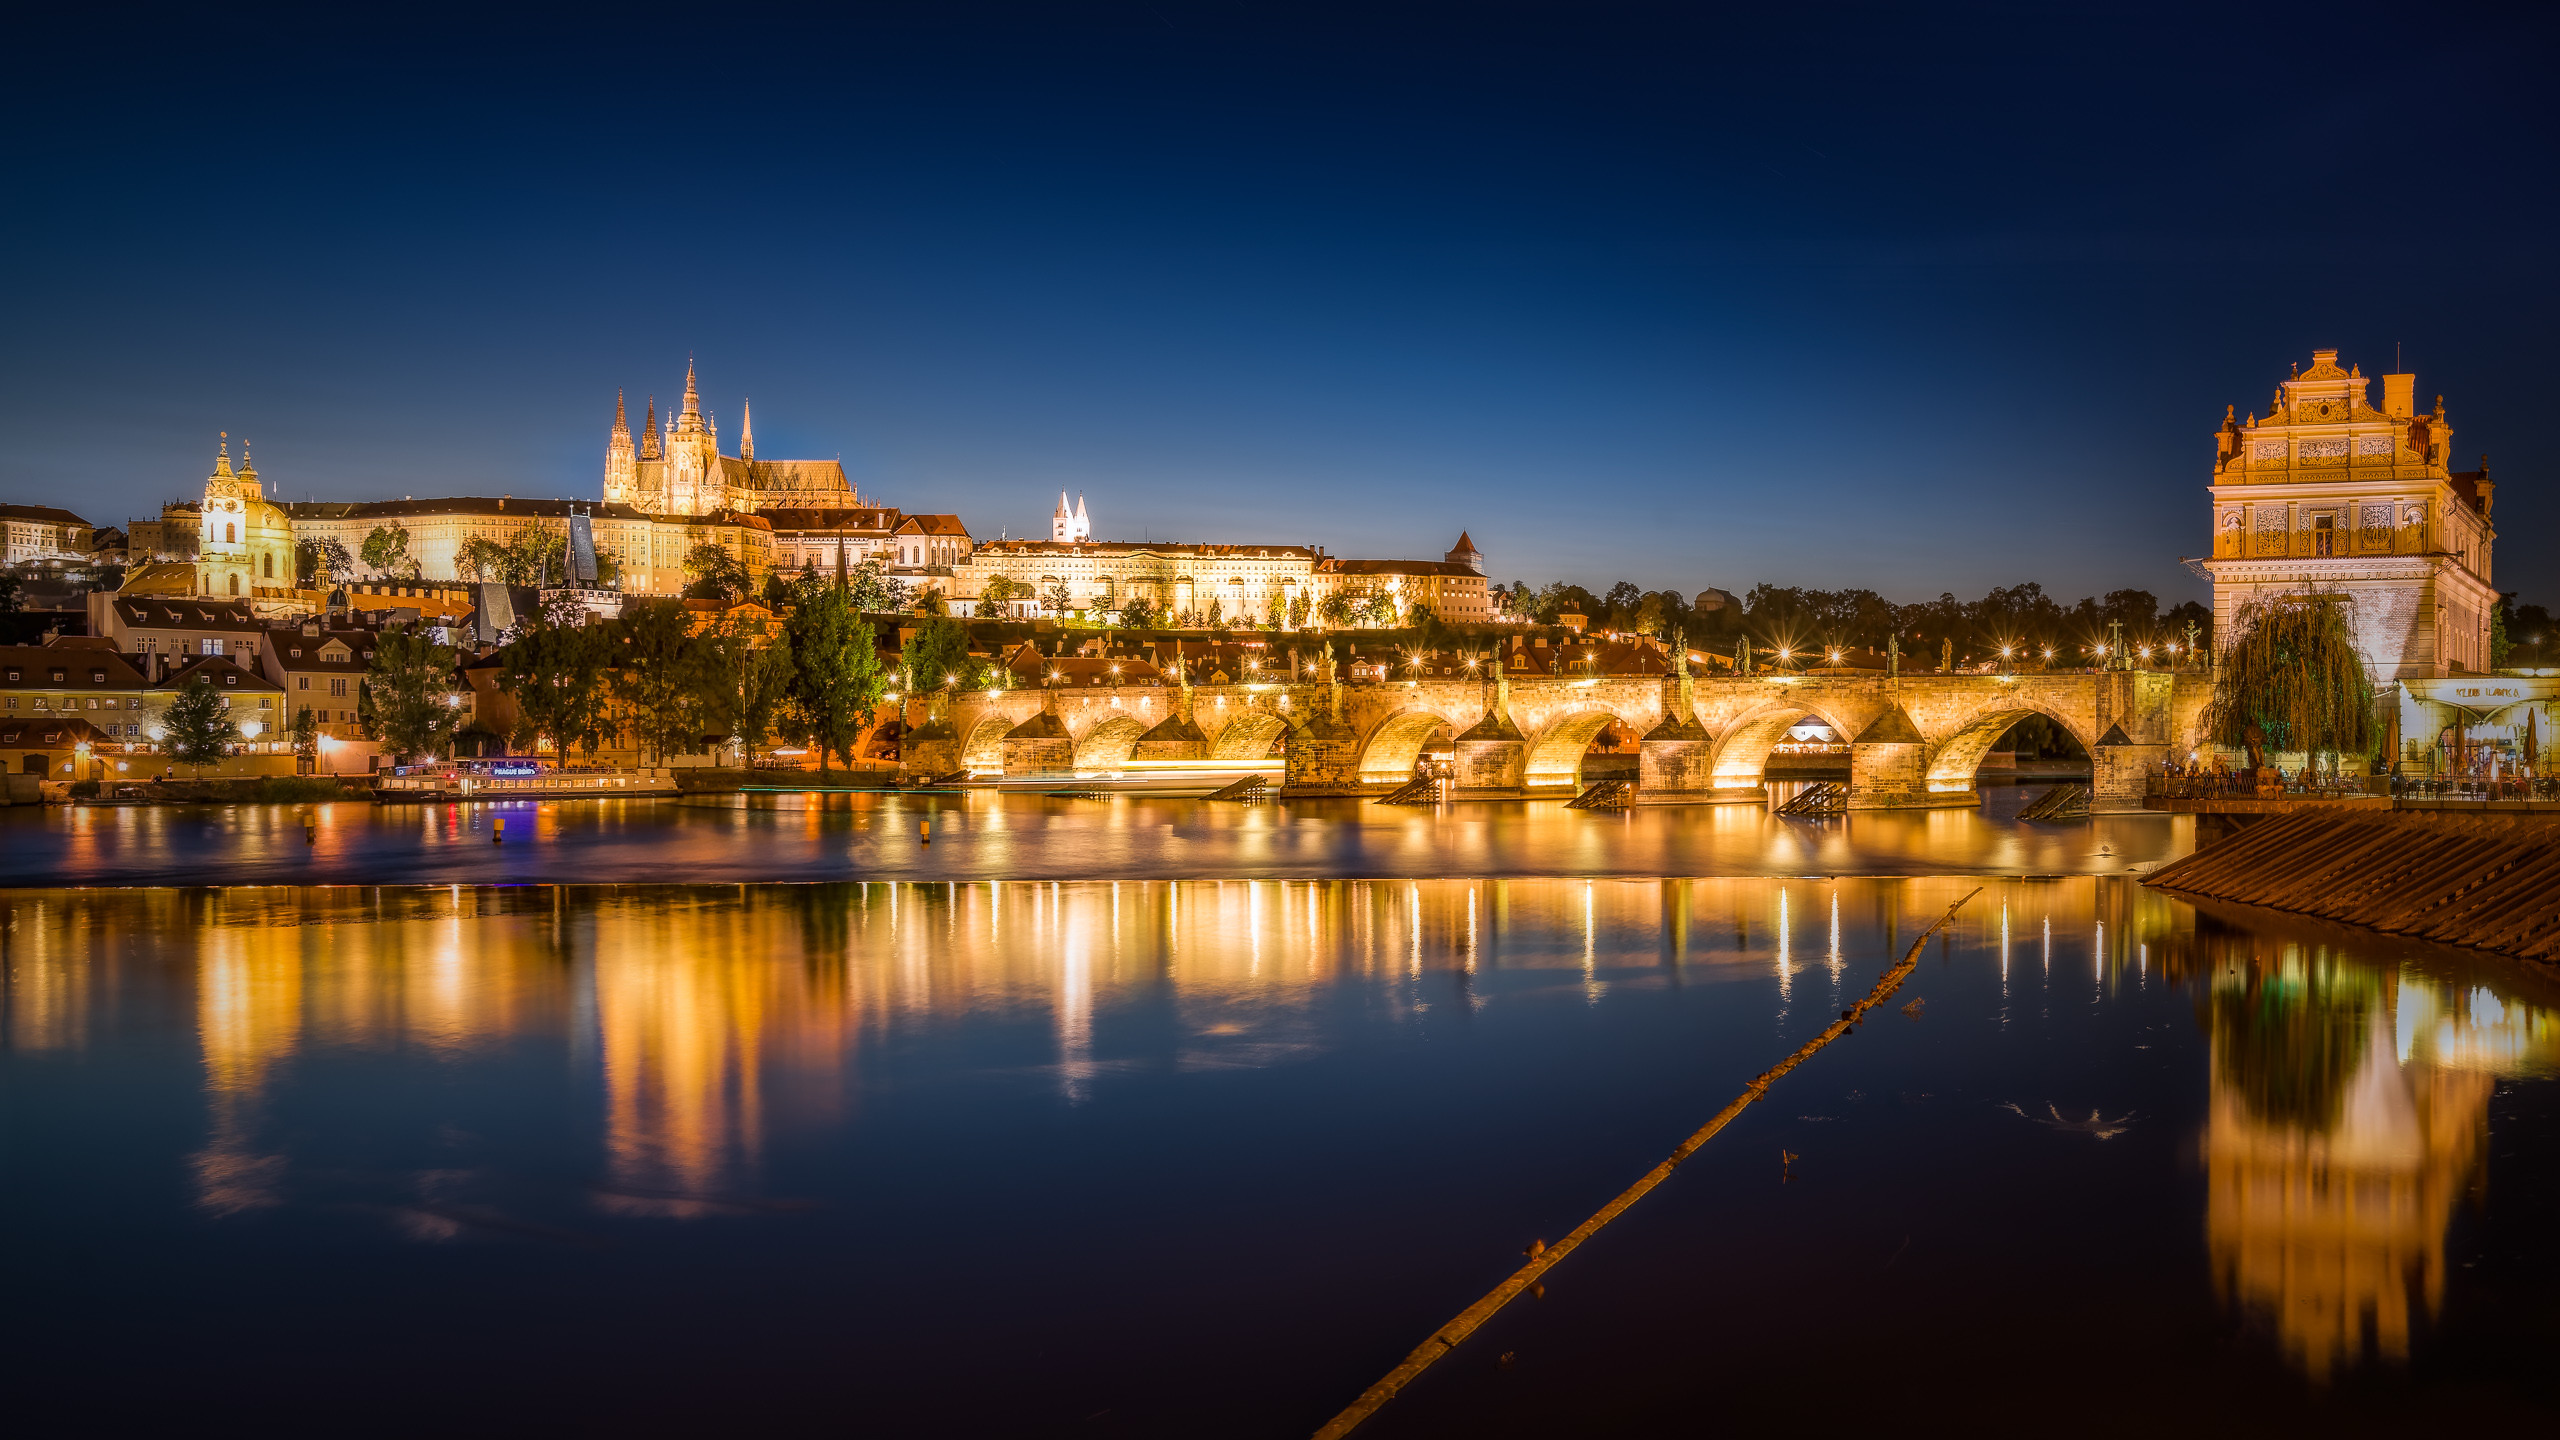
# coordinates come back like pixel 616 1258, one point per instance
pixel 2293 680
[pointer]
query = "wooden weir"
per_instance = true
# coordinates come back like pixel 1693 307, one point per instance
pixel 2491 882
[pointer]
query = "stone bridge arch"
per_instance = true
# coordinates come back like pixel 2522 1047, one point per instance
pixel 1106 744
pixel 1742 751
pixel 1555 755
pixel 982 744
pixel 1388 755
pixel 1957 755
pixel 1247 736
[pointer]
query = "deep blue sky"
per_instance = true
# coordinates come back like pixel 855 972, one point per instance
pixel 1918 298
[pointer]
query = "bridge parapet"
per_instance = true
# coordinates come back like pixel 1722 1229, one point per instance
pixel 1914 740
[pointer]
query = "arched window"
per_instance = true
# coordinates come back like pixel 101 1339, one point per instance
pixel 235 584
pixel 270 562
pixel 230 534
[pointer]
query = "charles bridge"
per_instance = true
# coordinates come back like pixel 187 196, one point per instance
pixel 1914 740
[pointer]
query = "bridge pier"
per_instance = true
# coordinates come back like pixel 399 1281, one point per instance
pixel 1040 746
pixel 1322 757
pixel 2116 774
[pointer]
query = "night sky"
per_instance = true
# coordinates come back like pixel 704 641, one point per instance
pixel 1915 298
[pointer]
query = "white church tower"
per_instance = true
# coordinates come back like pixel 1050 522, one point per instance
pixel 1070 525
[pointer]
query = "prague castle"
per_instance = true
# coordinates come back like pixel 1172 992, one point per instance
pixel 679 470
pixel 2326 490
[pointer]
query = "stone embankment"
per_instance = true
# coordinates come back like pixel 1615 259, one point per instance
pixel 2490 882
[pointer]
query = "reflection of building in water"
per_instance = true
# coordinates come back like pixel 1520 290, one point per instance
pixel 248 1019
pixel 2349 1111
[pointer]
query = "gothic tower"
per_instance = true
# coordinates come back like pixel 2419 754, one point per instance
pixel 621 465
pixel 746 430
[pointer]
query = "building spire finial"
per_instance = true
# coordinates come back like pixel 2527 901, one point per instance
pixel 746 429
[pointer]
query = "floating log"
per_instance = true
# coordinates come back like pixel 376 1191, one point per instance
pixel 2489 882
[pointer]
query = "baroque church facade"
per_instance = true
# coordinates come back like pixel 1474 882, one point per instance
pixel 677 468
pixel 2325 489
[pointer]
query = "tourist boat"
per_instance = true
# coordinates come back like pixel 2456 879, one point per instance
pixel 515 777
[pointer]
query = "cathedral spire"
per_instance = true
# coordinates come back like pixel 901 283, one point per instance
pixel 746 430
pixel 692 392
pixel 621 424
pixel 649 432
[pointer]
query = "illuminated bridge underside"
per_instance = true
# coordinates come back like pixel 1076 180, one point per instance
pixel 1913 741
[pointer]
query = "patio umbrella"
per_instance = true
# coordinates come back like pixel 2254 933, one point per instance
pixel 2532 740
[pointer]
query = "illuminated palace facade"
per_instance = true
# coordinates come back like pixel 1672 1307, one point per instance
pixel 1239 584
pixel 2327 490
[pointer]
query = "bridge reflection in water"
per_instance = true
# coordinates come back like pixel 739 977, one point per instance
pixel 2344 1112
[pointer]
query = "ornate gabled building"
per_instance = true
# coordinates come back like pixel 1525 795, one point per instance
pixel 679 470
pixel 2327 490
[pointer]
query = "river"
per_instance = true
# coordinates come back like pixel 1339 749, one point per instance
pixel 1174 1154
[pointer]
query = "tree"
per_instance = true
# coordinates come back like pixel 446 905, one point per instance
pixel 306 734
pixel 197 728
pixel 1057 597
pixel 554 669
pixel 478 558
pixel 1138 612
pixel 752 658
pixel 872 590
pixel 9 587
pixel 717 574
pixel 324 560
pixel 1337 610
pixel 1001 591
pixel 1298 606
pixel 386 551
pixel 535 555
pixel 2293 680
pixel 665 677
pixel 837 676
pixel 937 655
pixel 1216 606
pixel 407 700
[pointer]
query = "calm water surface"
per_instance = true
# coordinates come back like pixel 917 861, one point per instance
pixel 1205 1157
pixel 987 835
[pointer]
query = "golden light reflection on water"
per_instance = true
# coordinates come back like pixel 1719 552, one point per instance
pixel 2348 1114
pixel 2345 1108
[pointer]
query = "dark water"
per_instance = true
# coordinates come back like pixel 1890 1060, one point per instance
pixel 985 835
pixel 1206 1158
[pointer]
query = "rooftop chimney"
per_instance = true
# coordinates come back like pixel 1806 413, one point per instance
pixel 2400 396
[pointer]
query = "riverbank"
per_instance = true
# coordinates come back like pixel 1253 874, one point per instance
pixel 2483 881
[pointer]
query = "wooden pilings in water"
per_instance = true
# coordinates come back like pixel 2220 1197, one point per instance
pixel 2490 882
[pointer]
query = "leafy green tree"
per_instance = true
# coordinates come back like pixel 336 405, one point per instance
pixel 386 551
pixel 535 555
pixel 554 669
pixel 1057 597
pixel 666 678
pixel 872 590
pixel 478 558
pixel 752 658
pixel 2293 680
pixel 10 585
pixel 937 655
pixel 1001 591
pixel 197 728
pixel 306 734
pixel 838 678
pixel 1337 610
pixel 1138 612
pixel 717 574
pixel 1217 608
pixel 323 562
pixel 408 700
